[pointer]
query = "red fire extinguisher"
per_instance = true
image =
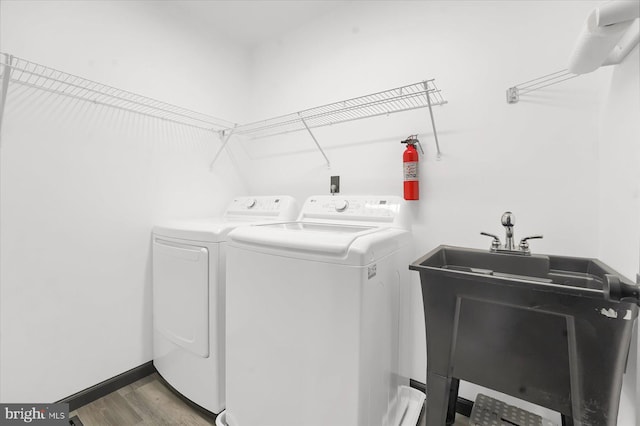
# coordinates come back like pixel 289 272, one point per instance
pixel 410 162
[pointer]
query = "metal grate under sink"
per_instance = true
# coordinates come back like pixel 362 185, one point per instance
pixel 488 411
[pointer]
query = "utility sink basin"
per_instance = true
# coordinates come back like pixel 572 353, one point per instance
pixel 552 330
pixel 562 274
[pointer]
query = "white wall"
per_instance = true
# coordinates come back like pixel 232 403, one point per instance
pixel 538 158
pixel 619 156
pixel 619 192
pixel 83 185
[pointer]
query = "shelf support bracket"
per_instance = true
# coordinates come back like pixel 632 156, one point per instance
pixel 433 122
pixel 315 140
pixel 225 138
pixel 513 95
pixel 6 77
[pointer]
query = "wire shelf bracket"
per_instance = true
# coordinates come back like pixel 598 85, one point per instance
pixel 6 76
pixel 514 93
pixel 433 121
pixel 316 142
pixel 424 94
pixel 225 135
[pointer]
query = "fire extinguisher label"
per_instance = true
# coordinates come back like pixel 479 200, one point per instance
pixel 411 171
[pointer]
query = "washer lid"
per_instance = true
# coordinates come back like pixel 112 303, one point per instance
pixel 320 227
pixel 332 239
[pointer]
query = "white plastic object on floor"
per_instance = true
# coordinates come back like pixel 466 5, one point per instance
pixel 221 419
pixel 411 403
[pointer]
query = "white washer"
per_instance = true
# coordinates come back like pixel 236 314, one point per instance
pixel 313 317
pixel 189 293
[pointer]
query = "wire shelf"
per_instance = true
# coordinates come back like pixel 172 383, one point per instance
pixel 405 98
pixel 30 74
pixel 14 70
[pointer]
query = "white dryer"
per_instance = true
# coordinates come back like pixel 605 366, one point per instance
pixel 189 294
pixel 313 317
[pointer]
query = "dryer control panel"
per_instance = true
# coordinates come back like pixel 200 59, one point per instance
pixel 385 209
pixel 269 206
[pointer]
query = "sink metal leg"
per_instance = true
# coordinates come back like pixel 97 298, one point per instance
pixel 438 395
pixel 453 399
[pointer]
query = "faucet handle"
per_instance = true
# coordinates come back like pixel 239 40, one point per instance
pixel 524 245
pixel 495 243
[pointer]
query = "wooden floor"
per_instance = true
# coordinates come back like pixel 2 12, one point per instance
pixel 149 402
pixel 145 402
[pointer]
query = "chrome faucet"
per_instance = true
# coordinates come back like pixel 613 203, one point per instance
pixel 508 221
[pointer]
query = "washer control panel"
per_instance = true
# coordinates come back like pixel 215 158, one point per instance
pixel 357 208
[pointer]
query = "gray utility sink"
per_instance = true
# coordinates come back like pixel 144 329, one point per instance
pixel 551 330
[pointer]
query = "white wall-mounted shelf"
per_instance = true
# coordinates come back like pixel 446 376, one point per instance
pixel 424 94
pixel 27 74
pixel 403 98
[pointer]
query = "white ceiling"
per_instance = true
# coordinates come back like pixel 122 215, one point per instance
pixel 246 22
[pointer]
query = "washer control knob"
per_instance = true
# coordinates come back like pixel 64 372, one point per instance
pixel 251 203
pixel 341 205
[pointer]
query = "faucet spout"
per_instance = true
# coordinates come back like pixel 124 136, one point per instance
pixel 508 221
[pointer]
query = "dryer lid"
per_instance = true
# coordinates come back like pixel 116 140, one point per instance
pixel 241 211
pixel 212 230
